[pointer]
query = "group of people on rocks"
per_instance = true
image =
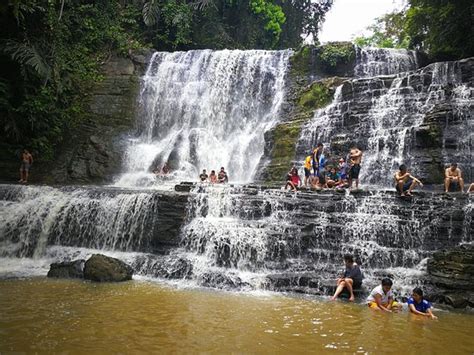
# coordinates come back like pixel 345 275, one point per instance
pixel 213 178
pixel 453 181
pixel 381 297
pixel 320 172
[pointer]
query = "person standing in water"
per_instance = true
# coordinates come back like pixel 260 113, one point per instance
pixel 26 162
pixel 351 279
pixel 355 157
pixel 307 169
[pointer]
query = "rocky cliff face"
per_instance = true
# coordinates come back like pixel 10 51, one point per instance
pixel 393 111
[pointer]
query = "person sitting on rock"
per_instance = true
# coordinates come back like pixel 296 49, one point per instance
pixel 405 182
pixel 381 297
pixel 293 180
pixel 350 280
pixel 213 177
pixel 418 305
pixel 333 178
pixel 222 177
pixel 453 178
pixel 165 169
pixel 203 176
pixel 343 169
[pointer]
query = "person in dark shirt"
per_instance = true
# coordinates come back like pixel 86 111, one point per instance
pixel 351 279
pixel 418 305
pixel 222 176
pixel 203 176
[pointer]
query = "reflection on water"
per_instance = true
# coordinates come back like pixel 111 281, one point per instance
pixel 75 316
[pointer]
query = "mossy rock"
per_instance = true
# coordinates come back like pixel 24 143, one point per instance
pixel 336 58
pixel 301 61
pixel 319 94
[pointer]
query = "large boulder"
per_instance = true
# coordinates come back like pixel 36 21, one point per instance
pixel 67 269
pixel 102 268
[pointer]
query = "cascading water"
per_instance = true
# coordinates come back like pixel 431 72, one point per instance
pixel 382 115
pixel 372 62
pixel 206 109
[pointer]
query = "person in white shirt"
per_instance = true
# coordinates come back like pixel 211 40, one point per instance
pixel 381 297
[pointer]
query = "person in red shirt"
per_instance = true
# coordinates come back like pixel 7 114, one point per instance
pixel 292 179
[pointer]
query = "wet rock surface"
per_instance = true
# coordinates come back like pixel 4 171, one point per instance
pixel 67 269
pixel 101 268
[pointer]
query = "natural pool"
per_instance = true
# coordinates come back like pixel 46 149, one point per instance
pixel 44 315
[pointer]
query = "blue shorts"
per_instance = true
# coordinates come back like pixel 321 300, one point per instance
pixel 406 186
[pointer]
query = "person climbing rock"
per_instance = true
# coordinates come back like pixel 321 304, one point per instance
pixel 381 297
pixel 203 176
pixel 453 179
pixel 405 182
pixel 350 280
pixel 26 162
pixel 355 158
pixel 420 306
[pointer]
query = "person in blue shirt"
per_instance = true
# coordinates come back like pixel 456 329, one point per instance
pixel 420 306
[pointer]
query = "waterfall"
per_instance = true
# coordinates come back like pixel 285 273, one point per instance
pixel 384 114
pixel 206 109
pixel 372 62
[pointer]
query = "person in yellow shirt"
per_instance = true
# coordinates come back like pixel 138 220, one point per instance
pixel 307 169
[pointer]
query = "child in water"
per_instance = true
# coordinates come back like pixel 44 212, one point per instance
pixel 420 306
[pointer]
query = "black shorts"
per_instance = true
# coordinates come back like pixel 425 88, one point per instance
pixel 354 171
pixel 406 186
pixel 307 172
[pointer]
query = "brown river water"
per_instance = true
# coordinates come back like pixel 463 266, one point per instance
pixel 43 315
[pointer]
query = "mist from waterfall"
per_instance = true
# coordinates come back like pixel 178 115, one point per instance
pixel 205 109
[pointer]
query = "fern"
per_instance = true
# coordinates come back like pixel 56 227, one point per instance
pixel 29 56
pixel 151 12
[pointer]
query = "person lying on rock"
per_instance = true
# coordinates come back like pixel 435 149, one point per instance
pixel 453 178
pixel 350 280
pixel 418 305
pixel 381 297
pixel 405 182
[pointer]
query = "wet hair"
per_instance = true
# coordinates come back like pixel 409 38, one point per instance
pixel 402 167
pixel 387 282
pixel 454 165
pixel 348 258
pixel 320 145
pixel 418 291
pixel 213 171
pixel 222 168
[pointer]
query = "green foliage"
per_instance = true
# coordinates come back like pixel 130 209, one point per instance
pixel 318 96
pixel 334 54
pixel 443 29
pixel 272 13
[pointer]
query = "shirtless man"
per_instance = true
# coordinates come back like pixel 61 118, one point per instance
pixel 453 175
pixel 26 161
pixel 405 182
pixel 355 157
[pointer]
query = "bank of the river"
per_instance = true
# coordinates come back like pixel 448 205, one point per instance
pixel 75 316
